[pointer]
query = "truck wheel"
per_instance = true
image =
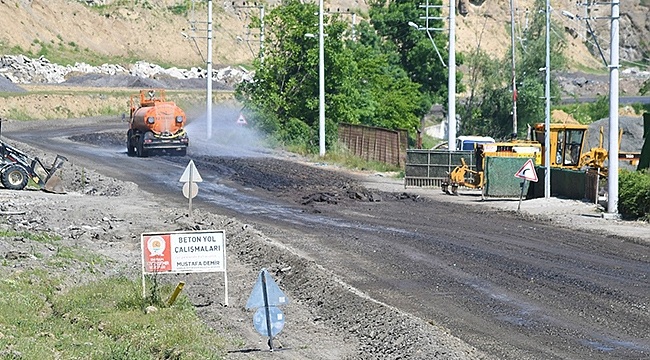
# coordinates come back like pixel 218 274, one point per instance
pixel 139 150
pixel 15 177
pixel 181 152
pixel 130 149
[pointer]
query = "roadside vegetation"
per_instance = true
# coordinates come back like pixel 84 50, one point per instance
pixel 48 313
pixel 634 194
pixel 383 75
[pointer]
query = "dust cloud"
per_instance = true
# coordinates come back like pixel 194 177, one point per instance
pixel 231 136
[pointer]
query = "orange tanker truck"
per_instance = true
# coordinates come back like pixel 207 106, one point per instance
pixel 155 124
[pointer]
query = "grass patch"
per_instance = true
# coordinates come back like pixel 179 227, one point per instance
pixel 181 8
pixel 36 237
pixel 102 320
pixel 66 53
pixel 17 114
pixel 344 158
pixel 45 317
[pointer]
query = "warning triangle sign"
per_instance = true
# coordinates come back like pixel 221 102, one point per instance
pixel 241 120
pixel 527 172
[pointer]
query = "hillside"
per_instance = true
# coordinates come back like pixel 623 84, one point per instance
pixel 134 30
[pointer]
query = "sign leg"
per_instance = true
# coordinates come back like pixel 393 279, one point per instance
pixel 523 185
pixel 266 310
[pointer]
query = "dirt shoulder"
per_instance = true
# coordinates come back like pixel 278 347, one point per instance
pixel 566 213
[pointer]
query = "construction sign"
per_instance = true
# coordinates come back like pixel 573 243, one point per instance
pixel 527 172
pixel 184 252
pixel 241 120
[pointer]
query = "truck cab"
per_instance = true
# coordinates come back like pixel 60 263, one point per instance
pixel 470 142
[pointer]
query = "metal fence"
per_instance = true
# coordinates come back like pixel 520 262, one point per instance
pixel 428 168
pixel 375 144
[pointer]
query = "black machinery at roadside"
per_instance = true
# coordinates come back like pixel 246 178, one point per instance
pixel 17 169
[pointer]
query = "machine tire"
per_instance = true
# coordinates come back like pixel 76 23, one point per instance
pixel 15 177
pixel 182 152
pixel 130 149
pixel 139 149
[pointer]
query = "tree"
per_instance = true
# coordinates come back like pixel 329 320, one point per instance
pixel 363 84
pixel 488 111
pixel 532 59
pixel 392 100
pixel 417 56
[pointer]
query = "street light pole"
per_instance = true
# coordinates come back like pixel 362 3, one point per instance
pixel 514 83
pixel 321 81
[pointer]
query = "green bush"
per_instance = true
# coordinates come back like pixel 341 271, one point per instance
pixel 181 8
pixel 634 194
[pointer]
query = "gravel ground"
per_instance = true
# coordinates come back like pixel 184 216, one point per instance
pixel 327 319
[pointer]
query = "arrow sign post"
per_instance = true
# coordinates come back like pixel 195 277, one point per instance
pixel 189 178
pixel 527 172
pixel 266 297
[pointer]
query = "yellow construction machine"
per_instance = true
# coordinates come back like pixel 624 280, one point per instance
pixel 463 175
pixel 567 149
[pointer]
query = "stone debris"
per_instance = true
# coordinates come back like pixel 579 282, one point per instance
pixel 20 69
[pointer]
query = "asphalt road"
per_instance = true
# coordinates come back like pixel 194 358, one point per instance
pixel 510 286
pixel 621 100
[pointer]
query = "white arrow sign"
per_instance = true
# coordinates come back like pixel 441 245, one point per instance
pixel 191 169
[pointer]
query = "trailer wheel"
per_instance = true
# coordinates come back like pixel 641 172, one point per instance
pixel 139 149
pixel 130 149
pixel 14 177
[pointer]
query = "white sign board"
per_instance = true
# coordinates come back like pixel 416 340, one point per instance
pixel 241 120
pixel 184 252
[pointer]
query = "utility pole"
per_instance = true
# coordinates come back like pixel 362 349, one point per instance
pixel 451 86
pixel 612 153
pixel 514 82
pixel 262 34
pixel 261 8
pixel 321 81
pixel 547 117
pixel 209 75
pixel 353 34
pixel 612 171
pixel 208 61
pixel 451 113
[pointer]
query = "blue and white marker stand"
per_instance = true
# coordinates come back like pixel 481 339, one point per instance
pixel 266 297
